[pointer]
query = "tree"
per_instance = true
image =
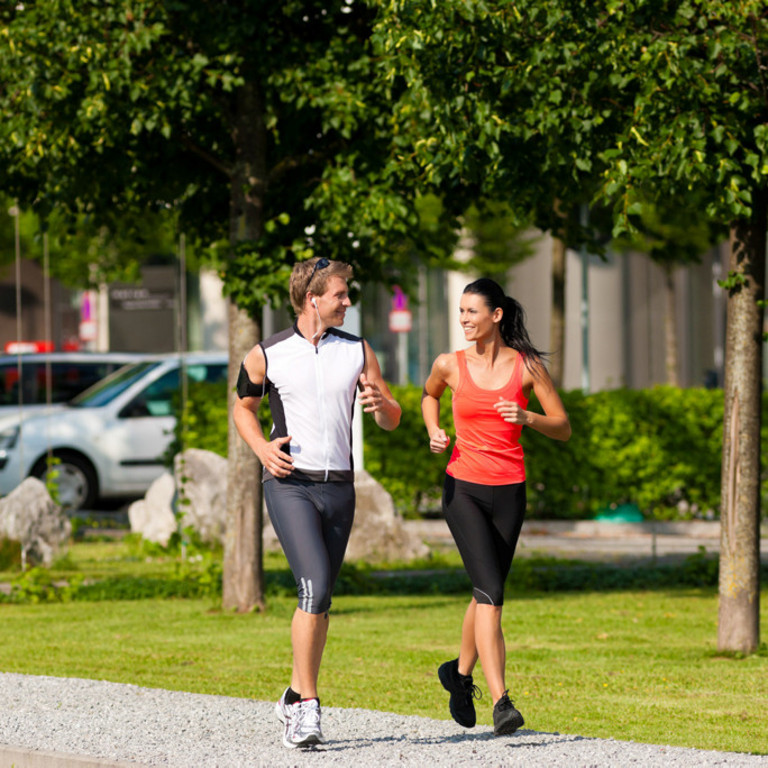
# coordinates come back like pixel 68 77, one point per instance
pixel 261 125
pixel 497 107
pixel 698 128
pixel 83 254
pixel 673 236
pixel 634 103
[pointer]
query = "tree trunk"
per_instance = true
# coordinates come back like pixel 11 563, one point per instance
pixel 738 622
pixel 557 321
pixel 243 571
pixel 670 326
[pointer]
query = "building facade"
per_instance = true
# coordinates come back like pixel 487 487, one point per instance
pixel 615 310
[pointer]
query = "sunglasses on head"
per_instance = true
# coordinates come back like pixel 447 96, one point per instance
pixel 321 263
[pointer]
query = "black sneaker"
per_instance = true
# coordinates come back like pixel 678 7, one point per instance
pixel 506 719
pixel 462 691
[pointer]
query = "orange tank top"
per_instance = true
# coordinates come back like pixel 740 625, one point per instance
pixel 487 448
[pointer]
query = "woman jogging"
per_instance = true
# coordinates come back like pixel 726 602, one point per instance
pixel 484 492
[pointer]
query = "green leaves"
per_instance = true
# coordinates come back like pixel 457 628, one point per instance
pixel 251 118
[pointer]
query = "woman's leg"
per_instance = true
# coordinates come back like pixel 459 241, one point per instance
pixel 468 649
pixel 485 522
pixel 490 647
pixel 481 635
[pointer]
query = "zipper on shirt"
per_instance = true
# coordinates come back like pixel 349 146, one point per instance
pixel 322 409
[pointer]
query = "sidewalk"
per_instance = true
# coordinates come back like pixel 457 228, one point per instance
pixel 48 722
pixel 608 542
pixel 71 723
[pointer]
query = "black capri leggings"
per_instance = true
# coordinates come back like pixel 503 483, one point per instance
pixel 485 521
pixel 313 522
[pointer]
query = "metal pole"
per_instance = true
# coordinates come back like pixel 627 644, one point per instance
pixel 423 329
pixel 585 381
pixel 47 314
pixel 402 358
pixel 48 335
pixel 182 343
pixel 16 213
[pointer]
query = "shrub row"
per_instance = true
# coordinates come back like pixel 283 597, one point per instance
pixel 528 575
pixel 658 449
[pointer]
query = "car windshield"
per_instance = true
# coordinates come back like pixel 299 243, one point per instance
pixel 108 389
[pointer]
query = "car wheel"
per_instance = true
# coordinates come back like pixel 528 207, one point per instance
pixel 73 477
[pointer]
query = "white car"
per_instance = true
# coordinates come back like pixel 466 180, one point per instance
pixel 26 379
pixel 108 441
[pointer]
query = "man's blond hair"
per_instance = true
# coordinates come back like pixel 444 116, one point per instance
pixel 300 281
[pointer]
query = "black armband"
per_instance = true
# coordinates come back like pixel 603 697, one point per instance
pixel 246 388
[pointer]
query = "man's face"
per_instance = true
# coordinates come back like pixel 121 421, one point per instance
pixel 332 305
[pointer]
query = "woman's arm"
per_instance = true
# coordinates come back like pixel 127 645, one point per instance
pixel 434 387
pixel 554 421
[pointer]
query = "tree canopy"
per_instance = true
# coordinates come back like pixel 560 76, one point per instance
pixel 640 105
pixel 261 125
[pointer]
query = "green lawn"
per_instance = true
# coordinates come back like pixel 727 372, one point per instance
pixel 628 665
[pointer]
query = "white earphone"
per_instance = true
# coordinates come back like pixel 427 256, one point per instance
pixel 314 301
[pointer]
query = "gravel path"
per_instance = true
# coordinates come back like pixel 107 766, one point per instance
pixel 126 724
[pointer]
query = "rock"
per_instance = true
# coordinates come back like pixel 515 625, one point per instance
pixel 378 533
pixel 30 516
pixel 201 477
pixel 153 516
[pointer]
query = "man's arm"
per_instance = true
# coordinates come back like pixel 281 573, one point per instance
pixel 245 415
pixel 375 396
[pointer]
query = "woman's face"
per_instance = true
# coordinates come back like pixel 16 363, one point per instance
pixel 479 322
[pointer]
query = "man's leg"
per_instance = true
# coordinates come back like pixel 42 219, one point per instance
pixel 308 635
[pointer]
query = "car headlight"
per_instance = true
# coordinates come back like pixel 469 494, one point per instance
pixel 8 438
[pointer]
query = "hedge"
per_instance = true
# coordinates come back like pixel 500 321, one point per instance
pixel 658 449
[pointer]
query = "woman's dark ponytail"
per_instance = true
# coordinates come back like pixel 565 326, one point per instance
pixel 512 326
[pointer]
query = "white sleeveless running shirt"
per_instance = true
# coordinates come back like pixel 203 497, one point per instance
pixel 311 393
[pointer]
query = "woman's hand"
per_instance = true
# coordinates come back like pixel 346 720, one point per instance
pixel 511 412
pixel 438 441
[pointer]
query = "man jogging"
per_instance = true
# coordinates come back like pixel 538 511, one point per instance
pixel 311 372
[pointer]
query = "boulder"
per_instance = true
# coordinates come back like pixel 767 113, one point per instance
pixel 30 516
pixel 378 534
pixel 201 477
pixel 153 516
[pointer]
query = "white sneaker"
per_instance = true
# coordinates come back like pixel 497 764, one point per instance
pixel 305 724
pixel 280 707
pixel 290 716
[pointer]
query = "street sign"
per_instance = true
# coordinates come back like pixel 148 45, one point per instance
pixel 400 317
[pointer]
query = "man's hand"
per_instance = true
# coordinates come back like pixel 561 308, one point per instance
pixel 370 397
pixel 276 461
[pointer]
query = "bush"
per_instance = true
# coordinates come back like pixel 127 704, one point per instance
pixel 10 554
pixel 203 423
pixel 402 462
pixel 659 449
